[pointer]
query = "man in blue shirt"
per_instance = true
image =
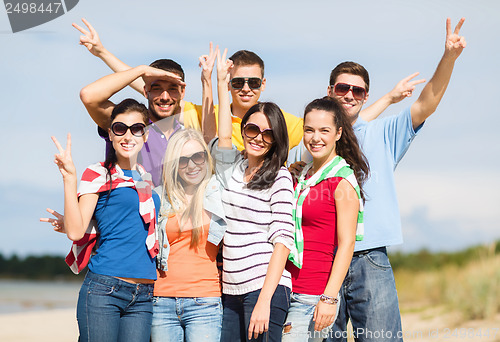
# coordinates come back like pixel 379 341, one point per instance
pixel 368 294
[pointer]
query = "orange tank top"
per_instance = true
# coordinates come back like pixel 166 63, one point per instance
pixel 192 272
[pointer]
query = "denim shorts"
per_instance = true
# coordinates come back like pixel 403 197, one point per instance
pixel 299 324
pixel 110 309
pixel 186 319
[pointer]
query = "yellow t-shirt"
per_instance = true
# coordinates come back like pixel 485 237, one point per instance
pixel 294 124
pixel 192 115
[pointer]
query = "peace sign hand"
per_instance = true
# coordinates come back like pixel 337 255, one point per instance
pixel 207 63
pixel 90 39
pixel 63 159
pixel 223 66
pixel 454 42
pixel 404 88
pixel 57 223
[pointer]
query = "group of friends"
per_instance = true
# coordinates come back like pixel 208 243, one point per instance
pixel 239 221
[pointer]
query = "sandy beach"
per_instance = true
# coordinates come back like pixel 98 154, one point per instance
pixel 431 325
pixel 45 326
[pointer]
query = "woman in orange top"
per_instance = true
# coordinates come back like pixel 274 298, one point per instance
pixel 187 296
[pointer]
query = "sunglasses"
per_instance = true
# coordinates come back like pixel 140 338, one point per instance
pixel 359 93
pixel 251 131
pixel 239 82
pixel 137 129
pixel 198 158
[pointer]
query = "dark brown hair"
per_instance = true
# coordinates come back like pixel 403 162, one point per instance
pixel 126 106
pixel 347 146
pixel 276 157
pixel 169 65
pixel 245 57
pixel 352 68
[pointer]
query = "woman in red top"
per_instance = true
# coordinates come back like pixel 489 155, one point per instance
pixel 328 213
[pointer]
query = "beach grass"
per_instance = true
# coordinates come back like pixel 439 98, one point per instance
pixel 472 289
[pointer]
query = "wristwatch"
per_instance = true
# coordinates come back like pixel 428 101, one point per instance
pixel 328 300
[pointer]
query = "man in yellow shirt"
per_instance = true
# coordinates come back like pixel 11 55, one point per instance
pixel 246 83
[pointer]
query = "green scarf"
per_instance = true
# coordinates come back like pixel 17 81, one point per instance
pixel 338 167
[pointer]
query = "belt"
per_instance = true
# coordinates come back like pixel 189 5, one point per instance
pixel 366 251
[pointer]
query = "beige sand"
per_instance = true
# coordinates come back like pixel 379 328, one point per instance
pixel 431 325
pixel 43 326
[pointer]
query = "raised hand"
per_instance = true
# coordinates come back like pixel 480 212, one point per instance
pixel 404 88
pixel 224 128
pixel 151 74
pixel 90 38
pixel 454 42
pixel 207 63
pixel 57 223
pixel 63 158
pixel 223 66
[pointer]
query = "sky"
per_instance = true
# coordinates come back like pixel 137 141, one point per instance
pixel 448 182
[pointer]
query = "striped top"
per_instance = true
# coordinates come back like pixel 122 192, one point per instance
pixel 257 220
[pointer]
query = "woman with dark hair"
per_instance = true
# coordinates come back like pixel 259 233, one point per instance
pixel 328 219
pixel 115 203
pixel 257 199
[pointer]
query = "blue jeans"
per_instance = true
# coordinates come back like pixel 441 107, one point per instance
pixel 369 299
pixel 186 319
pixel 238 311
pixel 299 325
pixel 110 309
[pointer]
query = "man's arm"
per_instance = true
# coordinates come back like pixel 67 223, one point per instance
pixel 90 39
pixel 96 95
pixel 433 92
pixel 402 90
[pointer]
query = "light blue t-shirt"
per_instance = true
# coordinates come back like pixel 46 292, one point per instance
pixel 122 250
pixel 384 142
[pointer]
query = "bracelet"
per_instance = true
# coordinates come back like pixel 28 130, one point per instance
pixel 328 300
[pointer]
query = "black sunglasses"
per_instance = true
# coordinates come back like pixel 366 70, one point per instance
pixel 198 158
pixel 239 82
pixel 251 131
pixel 359 93
pixel 137 129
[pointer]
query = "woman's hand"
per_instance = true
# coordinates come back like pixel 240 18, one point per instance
pixel 57 223
pixel 259 321
pixel 63 159
pixel 324 315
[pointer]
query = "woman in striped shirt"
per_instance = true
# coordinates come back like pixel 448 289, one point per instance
pixel 257 200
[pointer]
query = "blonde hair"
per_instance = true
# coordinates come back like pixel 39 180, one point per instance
pixel 173 185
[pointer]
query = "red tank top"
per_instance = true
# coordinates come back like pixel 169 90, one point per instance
pixel 319 227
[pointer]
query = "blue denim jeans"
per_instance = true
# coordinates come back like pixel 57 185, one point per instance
pixel 238 311
pixel 369 299
pixel 299 324
pixel 110 309
pixel 186 319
